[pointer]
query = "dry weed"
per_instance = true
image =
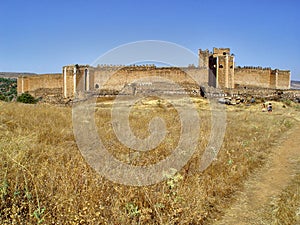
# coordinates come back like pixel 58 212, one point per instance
pixel 45 180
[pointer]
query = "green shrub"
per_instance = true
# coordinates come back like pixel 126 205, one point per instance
pixel 26 98
pixel 8 89
pixel 2 97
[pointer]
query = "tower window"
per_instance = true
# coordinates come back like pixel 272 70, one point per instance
pixel 96 86
pixel 224 53
pixel 231 67
pixel 220 66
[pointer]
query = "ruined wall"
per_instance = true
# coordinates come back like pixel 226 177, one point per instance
pixel 75 78
pixel 215 68
pixel 200 75
pixel 50 84
pixel 118 77
pixel 262 77
pixel 253 77
pixel 284 79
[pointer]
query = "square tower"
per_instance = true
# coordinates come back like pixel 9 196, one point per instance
pixel 222 63
pixel 203 58
pixel 76 78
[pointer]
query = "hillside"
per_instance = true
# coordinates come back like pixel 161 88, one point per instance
pixel 14 74
pixel 295 84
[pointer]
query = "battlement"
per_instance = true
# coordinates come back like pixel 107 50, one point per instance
pixel 221 51
pixel 123 66
pixel 254 67
pixel 206 51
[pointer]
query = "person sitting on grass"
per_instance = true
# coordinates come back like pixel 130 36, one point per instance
pixel 264 107
pixel 270 107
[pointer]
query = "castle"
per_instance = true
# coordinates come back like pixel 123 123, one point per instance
pixel 216 69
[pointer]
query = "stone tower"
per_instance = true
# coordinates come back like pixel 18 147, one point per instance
pixel 222 62
pixel 203 58
pixel 76 78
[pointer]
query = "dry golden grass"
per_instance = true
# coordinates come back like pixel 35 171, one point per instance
pixel 44 179
pixel 285 208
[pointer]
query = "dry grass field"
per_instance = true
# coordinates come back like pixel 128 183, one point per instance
pixel 45 180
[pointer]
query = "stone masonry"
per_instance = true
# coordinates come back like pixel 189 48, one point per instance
pixel 216 69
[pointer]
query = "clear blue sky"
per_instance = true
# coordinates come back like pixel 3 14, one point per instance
pixel 43 35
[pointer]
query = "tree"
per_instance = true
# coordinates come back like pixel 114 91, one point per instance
pixel 2 97
pixel 26 98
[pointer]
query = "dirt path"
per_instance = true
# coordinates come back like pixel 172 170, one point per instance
pixel 266 183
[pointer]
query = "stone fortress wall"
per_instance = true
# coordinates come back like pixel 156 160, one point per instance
pixel 216 69
pixel 266 77
pixel 130 79
pixel 40 85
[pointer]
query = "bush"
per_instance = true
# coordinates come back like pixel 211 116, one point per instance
pixel 2 97
pixel 8 89
pixel 26 98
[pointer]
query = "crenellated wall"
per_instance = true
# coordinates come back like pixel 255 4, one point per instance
pixel 116 78
pixel 50 83
pixel 82 78
pixel 217 69
pixel 261 77
pixel 252 77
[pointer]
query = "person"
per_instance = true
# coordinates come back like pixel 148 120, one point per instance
pixel 270 109
pixel 264 107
